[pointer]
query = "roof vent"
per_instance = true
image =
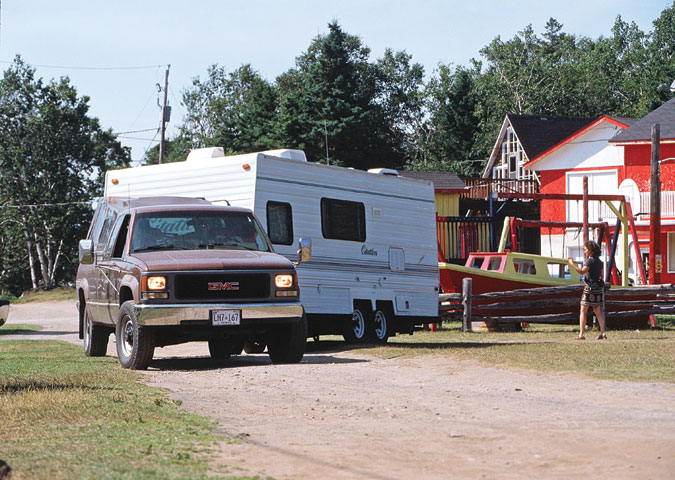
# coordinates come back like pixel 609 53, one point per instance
pixel 384 171
pixel 298 155
pixel 205 153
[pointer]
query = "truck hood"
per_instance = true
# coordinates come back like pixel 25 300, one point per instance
pixel 179 260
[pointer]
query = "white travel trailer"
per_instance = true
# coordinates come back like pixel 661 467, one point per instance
pixel 374 265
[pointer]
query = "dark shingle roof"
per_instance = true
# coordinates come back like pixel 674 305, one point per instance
pixel 642 129
pixel 441 180
pixel 629 122
pixel 538 133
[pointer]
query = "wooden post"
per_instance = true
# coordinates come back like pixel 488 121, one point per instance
pixel 585 210
pixel 466 303
pixel 655 208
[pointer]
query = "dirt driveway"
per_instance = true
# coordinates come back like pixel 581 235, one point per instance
pixel 343 415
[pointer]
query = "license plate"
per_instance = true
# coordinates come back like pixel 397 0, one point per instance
pixel 225 317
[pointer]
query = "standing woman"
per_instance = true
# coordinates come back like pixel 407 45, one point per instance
pixel 593 289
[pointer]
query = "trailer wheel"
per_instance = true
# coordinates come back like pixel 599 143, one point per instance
pixel 356 328
pixel 95 337
pixel 381 326
pixel 288 344
pixel 135 343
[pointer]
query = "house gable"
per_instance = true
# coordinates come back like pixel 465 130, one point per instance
pixel 523 138
pixel 586 148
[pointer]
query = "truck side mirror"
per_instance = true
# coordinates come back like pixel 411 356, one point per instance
pixel 304 249
pixel 86 252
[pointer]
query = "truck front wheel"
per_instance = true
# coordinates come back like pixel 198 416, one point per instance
pixel 288 345
pixel 135 343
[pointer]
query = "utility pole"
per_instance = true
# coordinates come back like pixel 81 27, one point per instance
pixel 166 112
pixel 655 259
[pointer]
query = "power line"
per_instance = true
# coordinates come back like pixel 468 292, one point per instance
pixel 63 67
pixel 45 205
pixel 135 131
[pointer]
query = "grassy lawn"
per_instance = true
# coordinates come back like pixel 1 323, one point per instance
pixel 68 416
pixel 59 293
pixel 644 355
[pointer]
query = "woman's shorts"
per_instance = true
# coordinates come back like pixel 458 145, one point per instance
pixel 592 295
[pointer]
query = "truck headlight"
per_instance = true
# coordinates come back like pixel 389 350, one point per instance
pixel 155 283
pixel 283 281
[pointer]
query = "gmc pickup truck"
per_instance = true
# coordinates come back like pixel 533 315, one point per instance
pixel 161 271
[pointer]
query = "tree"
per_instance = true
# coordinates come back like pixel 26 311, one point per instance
pixel 52 161
pixel 329 104
pixel 235 110
pixel 453 124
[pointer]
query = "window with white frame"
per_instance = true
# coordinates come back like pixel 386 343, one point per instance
pixel 671 252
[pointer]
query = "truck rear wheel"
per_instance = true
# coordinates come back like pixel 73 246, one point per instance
pixel 135 343
pixel 95 337
pixel 288 345
pixel 218 349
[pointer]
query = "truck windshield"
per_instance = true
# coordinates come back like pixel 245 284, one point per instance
pixel 196 230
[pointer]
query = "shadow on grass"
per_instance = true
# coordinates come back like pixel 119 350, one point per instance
pixel 38 386
pixel 19 330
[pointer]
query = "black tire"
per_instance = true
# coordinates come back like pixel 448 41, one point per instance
pixel 135 343
pixel 218 349
pixel 95 337
pixel 289 343
pixel 381 326
pixel 356 327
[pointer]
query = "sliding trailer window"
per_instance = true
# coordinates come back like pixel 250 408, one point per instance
pixel 343 220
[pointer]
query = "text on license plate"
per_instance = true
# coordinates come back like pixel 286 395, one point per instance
pixel 225 317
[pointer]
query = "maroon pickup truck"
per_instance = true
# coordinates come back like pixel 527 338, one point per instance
pixel 167 270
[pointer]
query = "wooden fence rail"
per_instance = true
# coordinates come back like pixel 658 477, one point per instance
pixel 550 305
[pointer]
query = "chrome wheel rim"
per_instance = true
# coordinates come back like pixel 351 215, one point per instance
pixel 87 330
pixel 358 324
pixel 380 321
pixel 127 337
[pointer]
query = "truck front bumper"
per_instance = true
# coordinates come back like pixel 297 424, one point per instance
pixel 160 315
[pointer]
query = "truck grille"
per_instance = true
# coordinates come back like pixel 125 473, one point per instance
pixel 222 286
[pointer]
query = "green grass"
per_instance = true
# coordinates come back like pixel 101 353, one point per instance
pixel 55 294
pixel 632 355
pixel 65 415
pixel 18 329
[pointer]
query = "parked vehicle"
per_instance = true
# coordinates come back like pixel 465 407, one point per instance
pixel 374 268
pixel 4 311
pixel 166 270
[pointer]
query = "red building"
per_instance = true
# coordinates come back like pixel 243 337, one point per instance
pixel 615 154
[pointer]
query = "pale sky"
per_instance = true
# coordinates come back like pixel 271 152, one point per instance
pixel 98 44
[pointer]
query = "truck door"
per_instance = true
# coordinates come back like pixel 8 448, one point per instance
pixel 112 268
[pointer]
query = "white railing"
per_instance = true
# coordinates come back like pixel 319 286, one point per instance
pixel 600 210
pixel 667 204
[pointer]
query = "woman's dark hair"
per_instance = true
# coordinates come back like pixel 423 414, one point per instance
pixel 593 247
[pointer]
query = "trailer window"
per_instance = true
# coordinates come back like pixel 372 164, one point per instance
pixel 280 223
pixel 343 220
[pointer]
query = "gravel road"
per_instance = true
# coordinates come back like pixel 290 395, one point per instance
pixel 344 415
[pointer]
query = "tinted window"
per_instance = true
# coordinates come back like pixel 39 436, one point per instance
pixel 280 223
pixel 343 220
pixel 108 224
pixel 193 230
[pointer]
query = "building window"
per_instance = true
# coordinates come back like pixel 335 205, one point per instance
pixel 671 252
pixel 280 223
pixel 343 220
